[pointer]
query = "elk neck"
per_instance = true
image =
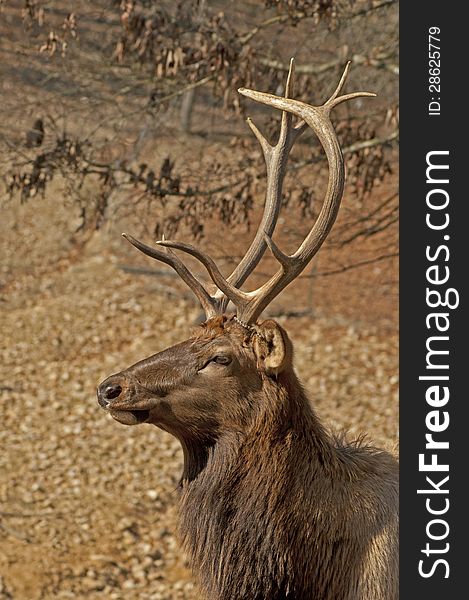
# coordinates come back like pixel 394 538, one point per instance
pixel 242 489
pixel 285 432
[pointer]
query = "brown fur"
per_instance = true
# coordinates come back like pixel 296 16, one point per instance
pixel 272 507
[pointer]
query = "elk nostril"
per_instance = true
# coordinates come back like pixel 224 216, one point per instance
pixel 112 391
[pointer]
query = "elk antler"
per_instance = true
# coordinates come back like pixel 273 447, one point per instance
pixel 249 305
pixel 276 160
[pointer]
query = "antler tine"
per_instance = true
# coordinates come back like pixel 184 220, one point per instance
pixel 276 160
pixel 234 294
pixel 317 117
pixel 208 303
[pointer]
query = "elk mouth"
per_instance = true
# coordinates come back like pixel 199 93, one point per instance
pixel 130 417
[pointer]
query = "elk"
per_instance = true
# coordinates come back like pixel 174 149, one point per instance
pixel 272 506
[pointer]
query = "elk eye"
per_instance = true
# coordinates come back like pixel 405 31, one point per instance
pixel 221 360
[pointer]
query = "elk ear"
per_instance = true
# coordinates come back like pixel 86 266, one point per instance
pixel 272 348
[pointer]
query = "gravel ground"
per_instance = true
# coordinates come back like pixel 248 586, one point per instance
pixel 88 506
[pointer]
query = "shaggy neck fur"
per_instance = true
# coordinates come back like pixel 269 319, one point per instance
pixel 256 506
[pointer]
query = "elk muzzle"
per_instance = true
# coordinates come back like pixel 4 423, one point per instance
pixel 115 395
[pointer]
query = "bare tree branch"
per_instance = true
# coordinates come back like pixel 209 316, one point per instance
pixel 378 63
pixel 356 265
pixel 377 141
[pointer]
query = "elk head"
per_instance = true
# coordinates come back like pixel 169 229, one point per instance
pixel 204 386
pixel 212 382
